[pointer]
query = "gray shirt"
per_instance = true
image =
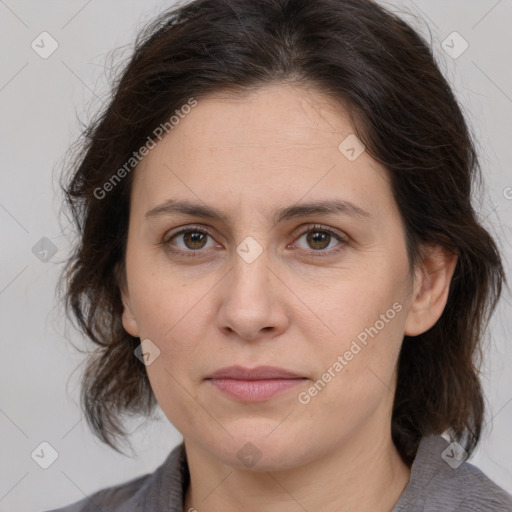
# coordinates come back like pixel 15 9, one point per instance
pixel 435 485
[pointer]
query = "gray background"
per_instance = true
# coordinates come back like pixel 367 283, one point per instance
pixel 41 101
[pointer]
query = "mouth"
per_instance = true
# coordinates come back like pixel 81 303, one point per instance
pixel 254 385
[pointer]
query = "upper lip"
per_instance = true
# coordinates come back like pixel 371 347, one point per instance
pixel 258 373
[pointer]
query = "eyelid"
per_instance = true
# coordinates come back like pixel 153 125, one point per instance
pixel 184 229
pixel 341 237
pixel 320 227
pixel 168 236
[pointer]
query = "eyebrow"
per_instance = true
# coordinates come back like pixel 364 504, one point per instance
pixel 327 207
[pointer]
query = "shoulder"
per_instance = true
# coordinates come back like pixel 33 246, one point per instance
pixel 484 492
pixel 119 498
pixel 476 491
pixel 440 481
pixel 144 493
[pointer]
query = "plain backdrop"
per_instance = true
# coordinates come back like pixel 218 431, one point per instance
pixel 41 103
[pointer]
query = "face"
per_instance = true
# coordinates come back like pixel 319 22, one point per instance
pixel 263 277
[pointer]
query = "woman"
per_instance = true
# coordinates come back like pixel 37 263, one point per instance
pixel 278 247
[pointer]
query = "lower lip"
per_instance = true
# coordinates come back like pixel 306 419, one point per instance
pixel 254 390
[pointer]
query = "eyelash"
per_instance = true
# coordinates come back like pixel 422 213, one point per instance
pixel 199 252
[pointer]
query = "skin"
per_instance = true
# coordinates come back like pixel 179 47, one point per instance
pixel 248 156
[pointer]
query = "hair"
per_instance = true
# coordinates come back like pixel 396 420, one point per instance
pixel 402 109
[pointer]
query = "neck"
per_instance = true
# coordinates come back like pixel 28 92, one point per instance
pixel 361 475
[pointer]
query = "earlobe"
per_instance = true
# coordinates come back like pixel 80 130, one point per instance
pixel 430 291
pixel 128 318
pixel 129 322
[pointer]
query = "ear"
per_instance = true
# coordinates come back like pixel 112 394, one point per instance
pixel 128 317
pixel 430 290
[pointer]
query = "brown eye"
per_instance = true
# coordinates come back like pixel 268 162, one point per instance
pixel 195 239
pixel 318 239
pixel 189 241
pixel 323 240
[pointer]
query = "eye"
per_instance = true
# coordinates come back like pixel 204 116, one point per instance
pixel 189 241
pixel 193 241
pixel 321 239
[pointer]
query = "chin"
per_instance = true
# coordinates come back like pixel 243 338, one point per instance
pixel 260 448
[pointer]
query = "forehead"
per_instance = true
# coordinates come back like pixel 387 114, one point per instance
pixel 275 116
pixel 279 142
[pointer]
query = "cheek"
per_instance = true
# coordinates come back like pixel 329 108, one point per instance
pixel 364 349
pixel 358 363
pixel 357 300
pixel 162 301
pixel 365 312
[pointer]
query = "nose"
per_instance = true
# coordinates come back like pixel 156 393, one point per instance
pixel 253 300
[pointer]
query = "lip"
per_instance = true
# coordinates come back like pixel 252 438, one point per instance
pixel 258 373
pixel 256 384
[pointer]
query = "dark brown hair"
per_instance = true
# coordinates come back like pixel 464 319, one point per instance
pixel 402 109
